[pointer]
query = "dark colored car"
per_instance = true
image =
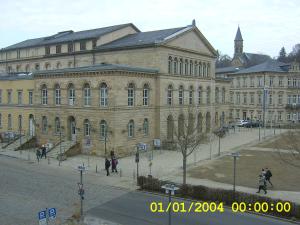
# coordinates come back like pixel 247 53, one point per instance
pixel 252 123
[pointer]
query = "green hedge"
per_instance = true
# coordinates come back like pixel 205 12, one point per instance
pixel 199 192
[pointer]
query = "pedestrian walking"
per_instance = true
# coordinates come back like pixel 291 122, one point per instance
pixel 43 151
pixel 263 172
pixel 107 165
pixel 262 184
pixel 38 154
pixel 268 176
pixel 114 163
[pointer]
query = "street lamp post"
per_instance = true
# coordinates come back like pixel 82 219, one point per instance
pixel 81 190
pixel 234 155
pixel 170 189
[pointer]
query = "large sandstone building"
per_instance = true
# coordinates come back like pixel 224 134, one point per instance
pixel 112 88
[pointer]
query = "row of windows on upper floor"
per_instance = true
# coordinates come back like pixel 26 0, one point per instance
pixel 188 67
pixel 103 125
pixel 269 99
pixel 291 82
pixel 37 67
pixel 131 93
pixel 57 49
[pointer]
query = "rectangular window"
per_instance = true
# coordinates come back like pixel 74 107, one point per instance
pixel 9 97
pixel 294 82
pixel 191 97
pixel 130 97
pixel 259 99
pixel 280 82
pixel 244 82
pixel 252 82
pixel 199 97
pixel 145 97
pixel 270 99
pixel 70 47
pixel 294 99
pixel 180 97
pixel 271 81
pixel 245 98
pixel 82 45
pixel 279 99
pixel 289 82
pixel 58 49
pixel 57 97
pixel 20 97
pixel 238 98
pixel 280 116
pixel 231 97
pixel 44 97
pixel 289 99
pixel 252 98
pixel 30 97
pixel 47 50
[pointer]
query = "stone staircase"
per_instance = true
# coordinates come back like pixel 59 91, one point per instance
pixel 65 146
pixel 16 144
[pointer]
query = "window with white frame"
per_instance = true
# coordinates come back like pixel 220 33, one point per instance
pixel 260 99
pixel 9 122
pixel 191 68
pixel 181 95
pixel 130 94
pixel 103 130
pixel 180 66
pixel 279 99
pixel 289 82
pixel 170 95
pixel 170 62
pixel 186 67
pixel 279 116
pixel 252 81
pixel 280 82
pixel 44 95
pixel 238 98
pixel 208 95
pixel 251 98
pixel 71 94
pixel 146 127
pixel 146 95
pixel 57 95
pixel 191 95
pixel 245 98
pixel 87 95
pixel 271 81
pixel 87 128
pixel 289 100
pixel 9 96
pixel 175 67
pixel 270 99
pixel 199 95
pixel 57 125
pixel 131 129
pixel 103 95
pixel 294 82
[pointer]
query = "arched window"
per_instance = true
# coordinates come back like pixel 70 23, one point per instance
pixel 146 127
pixel 57 94
pixel 191 95
pixel 217 95
pixel 186 67
pixel 57 125
pixel 131 94
pixel 196 69
pixel 71 94
pixel 103 130
pixel 87 95
pixel 199 95
pixel 103 95
pixel 44 125
pixel 58 65
pixel 131 129
pixel 87 127
pixel 181 95
pixel 180 66
pixel 175 66
pixel 146 95
pixel 9 122
pixel 208 95
pixel 204 70
pixel 47 66
pixel 200 70
pixel 170 65
pixel 170 95
pixel 191 67
pixel 44 95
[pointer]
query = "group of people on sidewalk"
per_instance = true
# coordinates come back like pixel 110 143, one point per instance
pixel 113 163
pixel 40 152
pixel 264 177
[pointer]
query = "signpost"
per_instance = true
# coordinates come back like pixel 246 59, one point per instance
pixel 42 217
pixel 81 190
pixel 52 213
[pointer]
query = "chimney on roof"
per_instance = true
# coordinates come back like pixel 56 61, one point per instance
pixel 194 22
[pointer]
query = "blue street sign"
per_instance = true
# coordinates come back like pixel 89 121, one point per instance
pixel 42 217
pixel 52 213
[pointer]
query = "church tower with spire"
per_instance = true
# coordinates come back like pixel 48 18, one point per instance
pixel 238 43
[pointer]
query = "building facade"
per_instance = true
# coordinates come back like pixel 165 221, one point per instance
pixel 125 87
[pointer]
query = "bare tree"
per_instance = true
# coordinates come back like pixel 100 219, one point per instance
pixel 187 138
pixel 291 155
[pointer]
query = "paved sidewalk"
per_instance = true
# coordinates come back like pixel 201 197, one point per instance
pixel 165 164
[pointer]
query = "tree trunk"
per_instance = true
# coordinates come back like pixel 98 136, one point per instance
pixel 184 168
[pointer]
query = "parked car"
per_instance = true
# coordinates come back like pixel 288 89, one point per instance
pixel 253 123
pixel 241 123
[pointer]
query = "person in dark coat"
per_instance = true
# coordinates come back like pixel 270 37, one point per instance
pixel 107 165
pixel 38 154
pixel 43 151
pixel 268 176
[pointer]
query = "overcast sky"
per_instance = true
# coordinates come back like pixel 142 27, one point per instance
pixel 266 25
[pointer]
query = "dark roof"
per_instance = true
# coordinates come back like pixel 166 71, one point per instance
pixel 268 66
pixel 251 59
pixel 238 36
pixel 98 67
pixel 66 36
pixel 229 69
pixel 142 39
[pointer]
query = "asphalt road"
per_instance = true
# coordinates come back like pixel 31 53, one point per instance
pixel 27 188
pixel 133 209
